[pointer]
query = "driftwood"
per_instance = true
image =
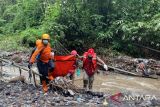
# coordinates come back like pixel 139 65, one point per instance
pixel 19 78
pixel 130 73
pixel 134 74
pixel 123 71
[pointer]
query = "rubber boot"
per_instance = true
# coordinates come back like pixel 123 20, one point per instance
pixel 40 80
pixel 85 84
pixel 50 77
pixel 90 85
pixel 44 85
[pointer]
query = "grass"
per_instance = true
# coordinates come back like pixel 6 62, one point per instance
pixel 12 43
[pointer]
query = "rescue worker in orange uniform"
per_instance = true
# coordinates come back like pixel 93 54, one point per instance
pixel 90 60
pixel 45 63
pixel 38 42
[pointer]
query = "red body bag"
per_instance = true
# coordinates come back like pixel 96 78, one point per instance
pixel 63 64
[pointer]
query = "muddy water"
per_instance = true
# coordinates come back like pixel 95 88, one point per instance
pixel 114 83
pixel 11 72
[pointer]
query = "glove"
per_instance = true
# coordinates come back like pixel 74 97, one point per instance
pixel 29 65
pixel 105 67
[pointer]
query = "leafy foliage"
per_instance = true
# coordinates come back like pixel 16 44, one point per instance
pixel 80 24
pixel 30 36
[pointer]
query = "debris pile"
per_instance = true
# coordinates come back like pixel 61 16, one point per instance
pixel 129 64
pixel 61 83
pixel 23 94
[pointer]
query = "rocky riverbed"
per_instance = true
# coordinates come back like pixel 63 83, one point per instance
pixel 113 90
pixel 20 94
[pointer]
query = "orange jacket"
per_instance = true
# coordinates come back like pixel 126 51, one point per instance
pixel 38 42
pixel 44 51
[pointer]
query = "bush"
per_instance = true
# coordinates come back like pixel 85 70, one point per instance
pixel 11 43
pixel 30 36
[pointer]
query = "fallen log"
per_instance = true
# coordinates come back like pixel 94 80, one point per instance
pixel 19 78
pixel 131 73
pixel 114 68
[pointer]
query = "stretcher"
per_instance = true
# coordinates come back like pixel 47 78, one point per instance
pixel 63 64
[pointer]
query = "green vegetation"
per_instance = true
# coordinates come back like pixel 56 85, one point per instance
pixel 80 24
pixel 12 43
